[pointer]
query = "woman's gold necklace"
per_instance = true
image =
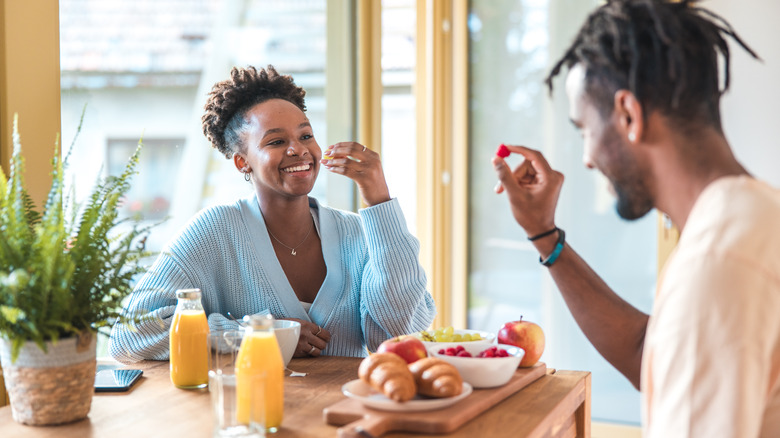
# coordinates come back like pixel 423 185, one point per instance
pixel 292 249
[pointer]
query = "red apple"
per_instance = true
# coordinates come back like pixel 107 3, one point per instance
pixel 408 347
pixel 526 335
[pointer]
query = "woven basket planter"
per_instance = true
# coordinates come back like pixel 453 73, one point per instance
pixel 50 388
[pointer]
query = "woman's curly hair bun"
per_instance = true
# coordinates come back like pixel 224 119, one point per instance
pixel 231 98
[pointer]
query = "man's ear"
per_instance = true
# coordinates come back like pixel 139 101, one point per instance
pixel 629 114
pixel 241 164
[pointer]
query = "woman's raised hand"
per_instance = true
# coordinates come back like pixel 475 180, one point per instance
pixel 532 187
pixel 362 165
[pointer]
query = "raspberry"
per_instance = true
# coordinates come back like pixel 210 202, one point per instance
pixel 503 151
pixel 451 352
pixel 463 353
pixel 493 352
pixel 442 351
pixel 459 348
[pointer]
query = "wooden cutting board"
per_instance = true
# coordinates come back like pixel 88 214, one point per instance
pixel 357 419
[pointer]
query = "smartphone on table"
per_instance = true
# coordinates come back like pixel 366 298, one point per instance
pixel 116 380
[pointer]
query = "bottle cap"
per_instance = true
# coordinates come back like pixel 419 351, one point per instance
pixel 188 293
pixel 259 321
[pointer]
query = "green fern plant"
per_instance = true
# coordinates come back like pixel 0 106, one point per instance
pixel 64 270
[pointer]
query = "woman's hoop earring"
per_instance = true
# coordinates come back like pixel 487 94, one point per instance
pixel 247 176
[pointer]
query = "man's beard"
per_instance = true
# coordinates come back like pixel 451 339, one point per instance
pixel 628 180
pixel 633 201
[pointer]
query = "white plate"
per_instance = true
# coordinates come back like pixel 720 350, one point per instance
pixel 372 398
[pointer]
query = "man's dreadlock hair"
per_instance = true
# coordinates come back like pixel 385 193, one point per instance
pixel 664 52
pixel 229 100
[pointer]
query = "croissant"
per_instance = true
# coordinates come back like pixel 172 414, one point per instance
pixel 387 373
pixel 436 378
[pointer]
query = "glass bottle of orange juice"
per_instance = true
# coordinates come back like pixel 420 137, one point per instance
pixel 259 354
pixel 188 341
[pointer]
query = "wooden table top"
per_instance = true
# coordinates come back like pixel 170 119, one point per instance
pixel 555 405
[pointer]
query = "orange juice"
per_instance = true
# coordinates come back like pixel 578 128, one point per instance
pixel 189 349
pixel 260 353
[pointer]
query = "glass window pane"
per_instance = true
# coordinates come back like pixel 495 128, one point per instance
pixel 151 193
pixel 512 44
pixel 399 152
pixel 142 69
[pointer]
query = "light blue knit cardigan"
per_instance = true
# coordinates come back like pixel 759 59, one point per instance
pixel 375 287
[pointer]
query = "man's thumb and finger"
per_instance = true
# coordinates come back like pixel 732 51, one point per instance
pixel 534 164
pixel 505 175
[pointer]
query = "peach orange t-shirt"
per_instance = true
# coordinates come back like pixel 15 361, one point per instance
pixel 711 362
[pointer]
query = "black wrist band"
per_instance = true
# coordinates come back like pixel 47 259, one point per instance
pixel 545 234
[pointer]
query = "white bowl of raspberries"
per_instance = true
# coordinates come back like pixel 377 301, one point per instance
pixel 482 366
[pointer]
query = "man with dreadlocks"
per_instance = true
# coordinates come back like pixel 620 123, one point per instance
pixel 644 90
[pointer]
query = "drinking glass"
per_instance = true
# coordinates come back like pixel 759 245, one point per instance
pixel 233 416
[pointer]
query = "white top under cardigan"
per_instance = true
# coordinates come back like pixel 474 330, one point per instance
pixel 374 289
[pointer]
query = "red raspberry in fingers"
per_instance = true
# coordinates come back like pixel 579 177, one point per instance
pixel 503 151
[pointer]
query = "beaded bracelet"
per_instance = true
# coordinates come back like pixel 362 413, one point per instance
pixel 556 252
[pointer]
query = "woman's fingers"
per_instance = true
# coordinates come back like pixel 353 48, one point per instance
pixel 322 333
pixel 313 339
pixel 361 164
pixel 349 158
pixel 345 154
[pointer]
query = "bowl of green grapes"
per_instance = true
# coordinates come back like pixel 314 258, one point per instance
pixel 450 337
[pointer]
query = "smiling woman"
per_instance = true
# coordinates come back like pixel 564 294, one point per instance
pixel 351 280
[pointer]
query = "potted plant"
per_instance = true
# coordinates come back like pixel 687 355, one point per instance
pixel 64 271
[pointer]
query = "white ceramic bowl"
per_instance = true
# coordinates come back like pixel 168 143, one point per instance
pixel 483 372
pixel 287 333
pixel 487 339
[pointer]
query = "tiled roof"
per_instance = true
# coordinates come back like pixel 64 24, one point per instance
pixel 116 40
pixel 164 43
